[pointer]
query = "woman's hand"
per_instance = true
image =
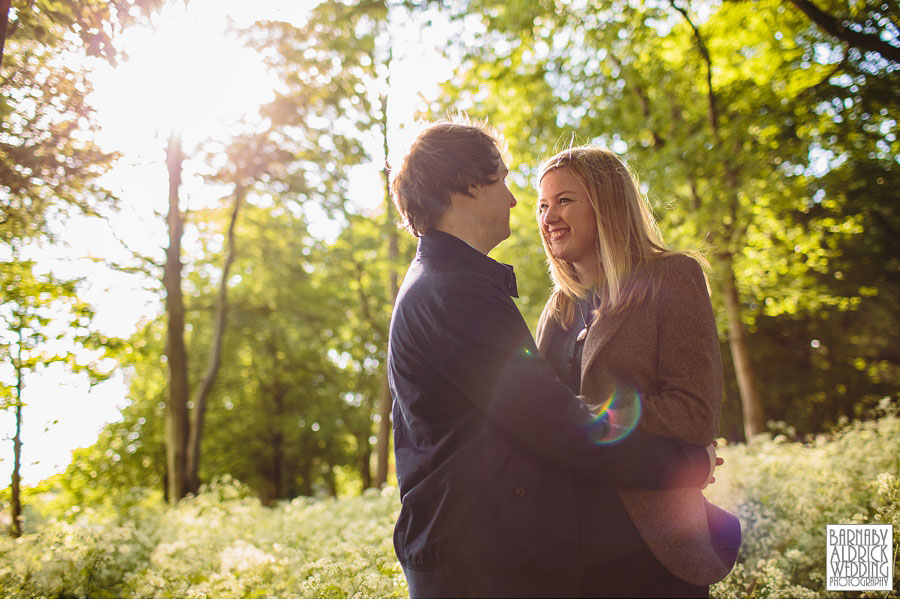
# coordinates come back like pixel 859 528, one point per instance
pixel 714 461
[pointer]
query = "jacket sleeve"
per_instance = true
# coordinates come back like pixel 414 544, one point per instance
pixel 542 324
pixel 689 403
pixel 487 354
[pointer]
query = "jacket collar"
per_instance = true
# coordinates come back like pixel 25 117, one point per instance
pixel 599 335
pixel 452 250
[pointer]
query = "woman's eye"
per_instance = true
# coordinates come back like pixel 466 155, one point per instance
pixel 564 200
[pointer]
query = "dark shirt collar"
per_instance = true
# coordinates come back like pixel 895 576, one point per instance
pixel 440 245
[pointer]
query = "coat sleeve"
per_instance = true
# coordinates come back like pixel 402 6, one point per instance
pixel 542 326
pixel 689 369
pixel 489 356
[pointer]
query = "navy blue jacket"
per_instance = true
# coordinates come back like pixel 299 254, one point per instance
pixel 489 444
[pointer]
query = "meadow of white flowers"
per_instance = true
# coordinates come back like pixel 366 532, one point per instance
pixel 786 492
pixel 225 544
pixel 220 544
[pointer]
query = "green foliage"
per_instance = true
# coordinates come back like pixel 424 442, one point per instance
pixel 760 140
pixel 42 321
pixel 276 415
pixel 50 22
pixel 328 113
pixel 48 161
pixel 129 456
pixel 293 408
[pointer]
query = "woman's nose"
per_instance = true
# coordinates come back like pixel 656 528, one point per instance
pixel 550 216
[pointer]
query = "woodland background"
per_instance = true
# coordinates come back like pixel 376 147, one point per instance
pixel 764 133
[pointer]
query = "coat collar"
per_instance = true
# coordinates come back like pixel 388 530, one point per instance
pixel 599 335
pixel 451 250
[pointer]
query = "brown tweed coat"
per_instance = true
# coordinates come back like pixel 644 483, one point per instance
pixel 667 349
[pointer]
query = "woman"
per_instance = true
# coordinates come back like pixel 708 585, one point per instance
pixel 630 322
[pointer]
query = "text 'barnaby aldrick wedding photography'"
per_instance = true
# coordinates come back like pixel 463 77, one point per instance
pixel 859 557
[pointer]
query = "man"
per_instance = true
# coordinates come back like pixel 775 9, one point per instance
pixel 489 444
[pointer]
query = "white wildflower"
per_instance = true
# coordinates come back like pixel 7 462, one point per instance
pixel 242 556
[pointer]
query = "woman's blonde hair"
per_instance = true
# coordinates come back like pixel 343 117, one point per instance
pixel 628 237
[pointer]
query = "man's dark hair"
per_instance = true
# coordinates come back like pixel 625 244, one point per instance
pixel 446 157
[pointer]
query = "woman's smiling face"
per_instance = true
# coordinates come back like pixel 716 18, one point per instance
pixel 566 217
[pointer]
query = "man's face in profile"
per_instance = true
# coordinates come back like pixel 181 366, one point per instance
pixel 494 200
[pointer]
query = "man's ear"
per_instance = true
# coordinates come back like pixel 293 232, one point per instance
pixel 474 190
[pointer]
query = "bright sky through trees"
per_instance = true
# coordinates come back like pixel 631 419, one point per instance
pixel 190 72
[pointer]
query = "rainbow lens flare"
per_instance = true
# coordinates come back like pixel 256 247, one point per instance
pixel 617 418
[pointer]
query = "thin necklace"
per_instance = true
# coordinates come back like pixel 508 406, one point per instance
pixel 583 333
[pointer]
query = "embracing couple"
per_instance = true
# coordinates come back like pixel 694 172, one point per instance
pixel 521 471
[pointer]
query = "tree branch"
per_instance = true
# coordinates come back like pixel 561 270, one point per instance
pixel 704 51
pixel 643 98
pixel 201 396
pixel 834 26
pixel 139 256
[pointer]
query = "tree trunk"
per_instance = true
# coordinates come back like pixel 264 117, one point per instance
pixel 331 481
pixel 364 457
pixel 384 432
pixel 754 418
pixel 278 444
pixel 304 474
pixel 384 407
pixel 201 396
pixel 754 421
pixel 273 475
pixel 15 487
pixel 4 23
pixel 363 447
pixel 177 421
